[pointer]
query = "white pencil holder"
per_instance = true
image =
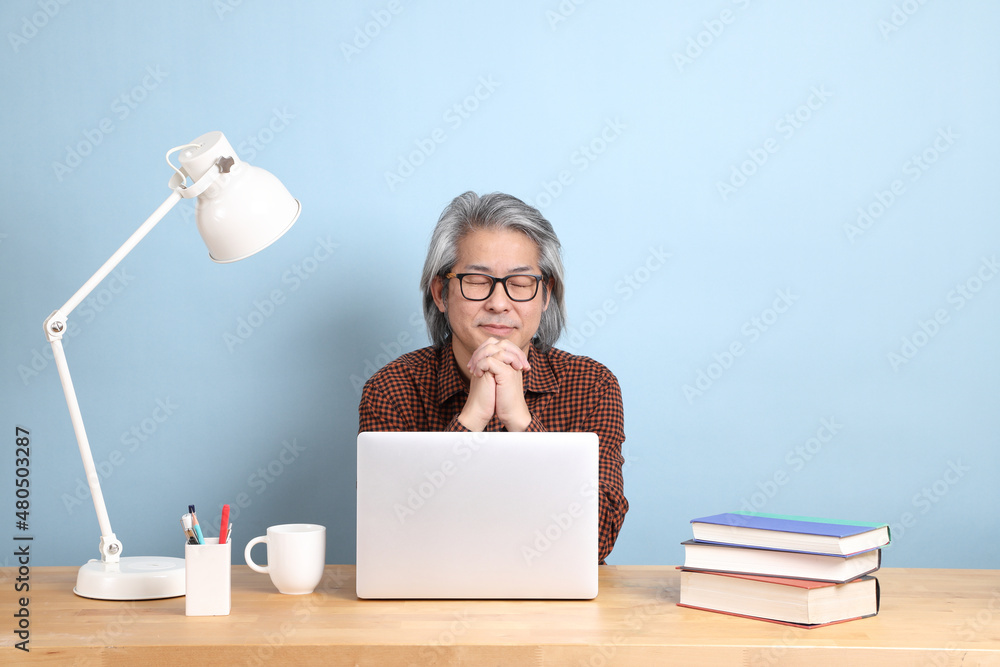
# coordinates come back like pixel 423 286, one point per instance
pixel 208 578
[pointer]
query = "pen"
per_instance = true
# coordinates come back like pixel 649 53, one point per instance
pixel 197 528
pixel 225 524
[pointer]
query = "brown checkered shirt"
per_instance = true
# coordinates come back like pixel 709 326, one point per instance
pixel 424 391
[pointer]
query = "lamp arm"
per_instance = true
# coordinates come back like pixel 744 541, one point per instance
pixel 119 255
pixel 110 546
pixel 55 328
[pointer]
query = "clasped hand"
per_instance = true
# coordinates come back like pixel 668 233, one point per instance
pixel 496 387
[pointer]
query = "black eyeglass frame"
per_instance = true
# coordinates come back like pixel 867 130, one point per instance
pixel 502 281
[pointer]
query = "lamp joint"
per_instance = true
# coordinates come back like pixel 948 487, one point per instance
pixel 55 326
pixel 111 549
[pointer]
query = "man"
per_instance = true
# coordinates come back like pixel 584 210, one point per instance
pixel 493 301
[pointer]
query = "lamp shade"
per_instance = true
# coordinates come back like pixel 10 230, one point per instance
pixel 245 209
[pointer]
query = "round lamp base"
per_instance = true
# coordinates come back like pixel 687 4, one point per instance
pixel 132 578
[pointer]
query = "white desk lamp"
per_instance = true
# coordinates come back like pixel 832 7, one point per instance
pixel 241 210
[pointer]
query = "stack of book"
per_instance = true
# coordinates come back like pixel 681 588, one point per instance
pixel 793 570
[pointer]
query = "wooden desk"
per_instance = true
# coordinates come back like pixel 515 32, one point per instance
pixel 928 617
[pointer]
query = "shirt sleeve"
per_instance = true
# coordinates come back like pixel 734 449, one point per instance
pixel 456 426
pixel 387 404
pixel 379 412
pixel 607 420
pixel 534 426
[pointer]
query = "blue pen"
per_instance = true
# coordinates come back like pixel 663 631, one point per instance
pixel 197 528
pixel 188 524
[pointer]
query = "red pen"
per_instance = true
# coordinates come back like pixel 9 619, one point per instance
pixel 225 524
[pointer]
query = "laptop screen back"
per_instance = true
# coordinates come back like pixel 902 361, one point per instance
pixel 477 515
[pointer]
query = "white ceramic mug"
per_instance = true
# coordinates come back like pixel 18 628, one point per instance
pixel 296 555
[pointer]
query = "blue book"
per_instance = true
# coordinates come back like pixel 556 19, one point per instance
pixel 791 533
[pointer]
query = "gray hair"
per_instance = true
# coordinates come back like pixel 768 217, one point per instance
pixel 495 211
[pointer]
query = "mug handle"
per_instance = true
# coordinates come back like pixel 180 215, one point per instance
pixel 249 559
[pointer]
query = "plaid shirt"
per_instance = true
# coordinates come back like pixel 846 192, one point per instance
pixel 424 391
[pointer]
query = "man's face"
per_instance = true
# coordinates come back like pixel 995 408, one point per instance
pixel 498 253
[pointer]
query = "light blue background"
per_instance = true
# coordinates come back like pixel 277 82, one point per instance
pixel 244 378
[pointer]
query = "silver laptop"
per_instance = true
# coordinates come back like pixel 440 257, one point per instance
pixel 477 515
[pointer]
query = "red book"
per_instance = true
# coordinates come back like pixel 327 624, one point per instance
pixel 799 602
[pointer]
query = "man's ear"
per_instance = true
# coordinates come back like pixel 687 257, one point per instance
pixel 548 293
pixel 437 291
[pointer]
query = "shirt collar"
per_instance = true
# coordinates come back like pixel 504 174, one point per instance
pixel 541 379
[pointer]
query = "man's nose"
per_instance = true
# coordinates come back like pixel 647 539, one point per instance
pixel 498 301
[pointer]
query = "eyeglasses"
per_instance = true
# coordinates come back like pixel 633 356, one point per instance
pixel 479 286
